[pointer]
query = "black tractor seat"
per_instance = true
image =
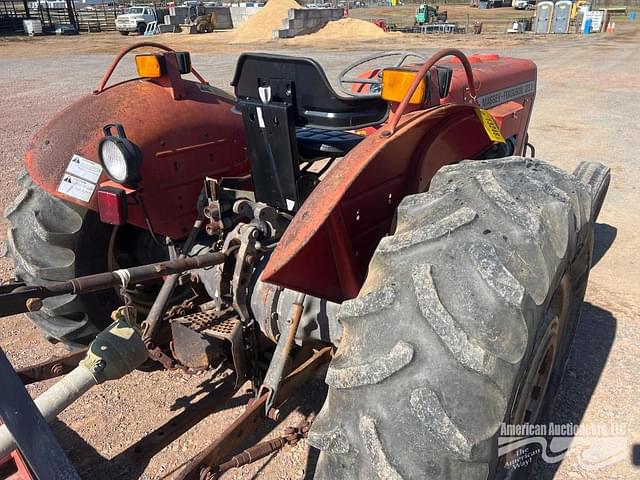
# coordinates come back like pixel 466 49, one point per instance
pixel 301 83
pixel 291 113
pixel 318 143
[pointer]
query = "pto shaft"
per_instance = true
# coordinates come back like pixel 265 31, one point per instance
pixel 116 351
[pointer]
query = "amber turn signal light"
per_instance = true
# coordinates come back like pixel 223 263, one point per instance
pixel 150 66
pixel 396 83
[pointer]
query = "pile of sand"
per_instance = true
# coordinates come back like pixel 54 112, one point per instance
pixel 348 28
pixel 260 27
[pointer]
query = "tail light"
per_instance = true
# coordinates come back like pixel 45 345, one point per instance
pixel 112 205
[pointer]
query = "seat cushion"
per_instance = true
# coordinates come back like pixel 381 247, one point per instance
pixel 315 142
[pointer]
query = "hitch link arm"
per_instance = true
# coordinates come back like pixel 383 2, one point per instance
pixel 24 299
pixel 151 323
pixel 274 375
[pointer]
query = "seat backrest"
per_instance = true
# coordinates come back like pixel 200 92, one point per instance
pixel 302 83
pixel 276 94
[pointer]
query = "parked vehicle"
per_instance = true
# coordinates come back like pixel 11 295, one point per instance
pixel 524 4
pixel 428 14
pixel 136 19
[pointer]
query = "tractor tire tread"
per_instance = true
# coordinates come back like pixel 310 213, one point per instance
pixel 44 238
pixel 435 341
pixel 598 177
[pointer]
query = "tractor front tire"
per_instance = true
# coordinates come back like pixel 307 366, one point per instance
pixel 464 322
pixel 51 240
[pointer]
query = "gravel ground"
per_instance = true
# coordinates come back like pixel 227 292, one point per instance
pixel 586 109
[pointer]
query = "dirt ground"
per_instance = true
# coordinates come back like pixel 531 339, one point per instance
pixel 586 109
pixel 496 21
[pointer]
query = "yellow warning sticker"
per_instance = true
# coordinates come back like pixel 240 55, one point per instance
pixel 490 125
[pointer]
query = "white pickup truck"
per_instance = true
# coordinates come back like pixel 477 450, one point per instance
pixel 136 19
pixel 524 4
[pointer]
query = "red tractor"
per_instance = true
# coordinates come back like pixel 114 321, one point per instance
pixel 396 230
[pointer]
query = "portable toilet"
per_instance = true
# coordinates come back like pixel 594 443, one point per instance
pixel 544 14
pixel 561 17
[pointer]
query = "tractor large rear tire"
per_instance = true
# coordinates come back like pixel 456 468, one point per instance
pixel 51 240
pixel 482 278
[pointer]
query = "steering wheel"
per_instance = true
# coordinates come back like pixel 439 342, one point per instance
pixel 345 83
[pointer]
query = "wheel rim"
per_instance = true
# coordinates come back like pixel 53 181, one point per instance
pixel 537 381
pixel 530 397
pixel 535 387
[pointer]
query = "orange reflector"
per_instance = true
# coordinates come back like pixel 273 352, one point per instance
pixel 396 83
pixel 149 66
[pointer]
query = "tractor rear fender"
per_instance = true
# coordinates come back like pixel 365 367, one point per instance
pixel 326 250
pixel 182 140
